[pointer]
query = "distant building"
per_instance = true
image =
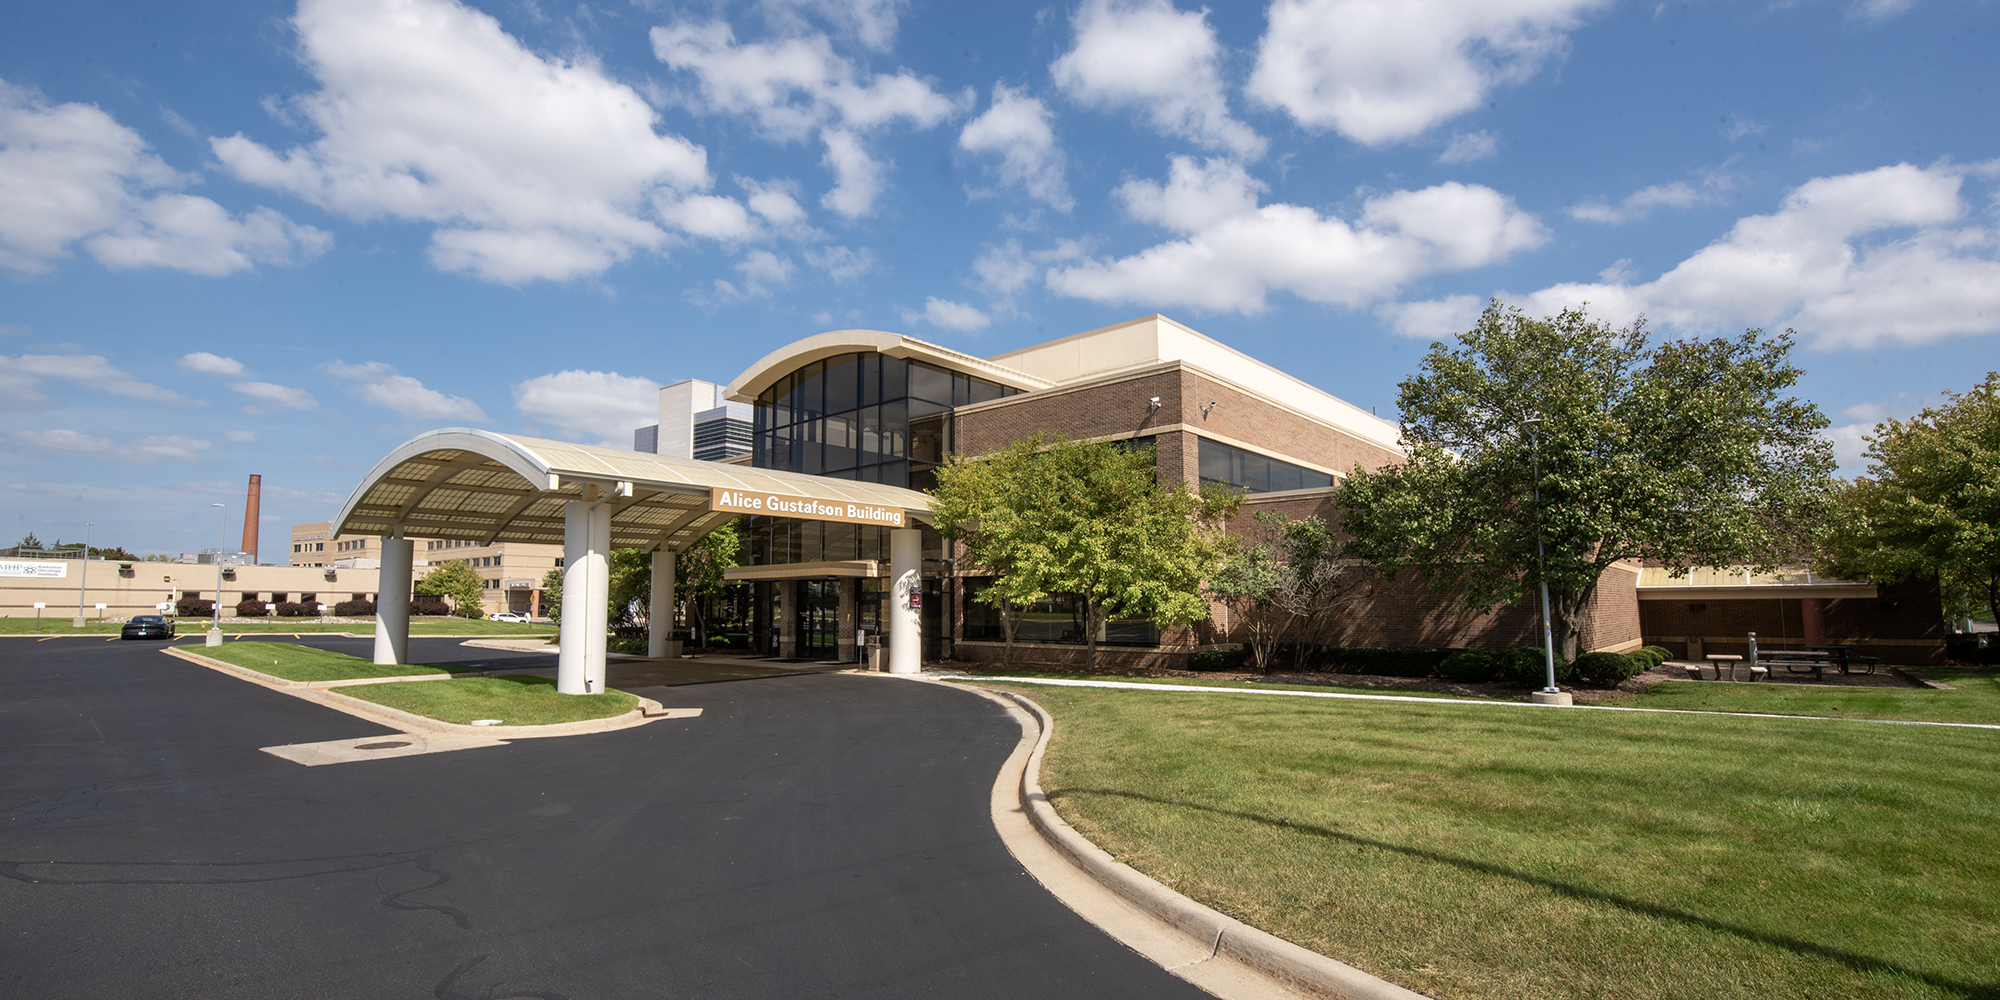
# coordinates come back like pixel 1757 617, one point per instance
pixel 698 421
pixel 512 571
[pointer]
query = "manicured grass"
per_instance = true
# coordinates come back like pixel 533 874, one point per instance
pixel 303 663
pixel 1499 852
pixel 983 676
pixel 515 701
pixel 196 626
pixel 1976 700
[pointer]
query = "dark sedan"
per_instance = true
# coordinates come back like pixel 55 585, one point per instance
pixel 147 627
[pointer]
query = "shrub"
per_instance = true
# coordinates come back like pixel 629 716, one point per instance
pixel 428 606
pixel 1382 661
pixel 194 608
pixel 1967 647
pixel 1225 660
pixel 1644 658
pixel 1473 666
pixel 296 609
pixel 718 642
pixel 1528 666
pixel 1660 654
pixel 1607 669
pixel 251 609
pixel 355 609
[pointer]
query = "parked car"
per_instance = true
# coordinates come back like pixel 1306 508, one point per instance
pixel 507 616
pixel 147 627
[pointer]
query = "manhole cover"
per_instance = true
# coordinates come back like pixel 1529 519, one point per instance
pixel 385 745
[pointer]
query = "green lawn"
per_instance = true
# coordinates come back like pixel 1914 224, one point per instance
pixel 1976 700
pixel 515 701
pixel 1499 852
pixel 984 676
pixel 284 626
pixel 303 663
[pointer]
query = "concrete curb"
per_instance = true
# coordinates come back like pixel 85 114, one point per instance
pixel 1216 952
pixel 1297 967
pixel 395 718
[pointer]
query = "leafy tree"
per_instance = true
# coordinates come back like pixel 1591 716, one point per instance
pixel 457 581
pixel 698 577
pixel 1093 520
pixel 552 594
pixel 1686 453
pixel 1930 506
pixel 982 503
pixel 1285 577
pixel 29 541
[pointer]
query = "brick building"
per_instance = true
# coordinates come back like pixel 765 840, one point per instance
pixel 885 408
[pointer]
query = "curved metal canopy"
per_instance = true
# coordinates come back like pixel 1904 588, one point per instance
pixel 483 487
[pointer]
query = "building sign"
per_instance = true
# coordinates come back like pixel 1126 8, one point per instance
pixel 34 570
pixel 804 508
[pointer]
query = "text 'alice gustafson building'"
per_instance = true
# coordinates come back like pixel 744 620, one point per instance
pixel 884 408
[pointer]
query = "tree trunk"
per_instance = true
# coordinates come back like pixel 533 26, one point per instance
pixel 1007 629
pixel 1093 616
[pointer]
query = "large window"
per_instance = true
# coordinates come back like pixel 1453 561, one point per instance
pixel 1248 471
pixel 864 416
pixel 1055 618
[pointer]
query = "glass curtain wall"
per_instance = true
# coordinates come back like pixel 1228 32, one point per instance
pixel 864 416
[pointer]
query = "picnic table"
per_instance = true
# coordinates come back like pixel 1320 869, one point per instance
pixel 1815 659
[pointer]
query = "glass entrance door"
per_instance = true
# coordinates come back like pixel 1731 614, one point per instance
pixel 819 619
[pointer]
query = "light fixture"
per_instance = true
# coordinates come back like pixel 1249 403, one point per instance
pixel 1205 407
pixel 1153 404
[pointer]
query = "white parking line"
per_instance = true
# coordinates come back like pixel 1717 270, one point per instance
pixel 1130 686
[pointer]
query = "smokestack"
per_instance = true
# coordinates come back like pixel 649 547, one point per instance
pixel 250 517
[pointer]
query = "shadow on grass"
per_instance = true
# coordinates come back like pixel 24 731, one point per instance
pixel 1857 962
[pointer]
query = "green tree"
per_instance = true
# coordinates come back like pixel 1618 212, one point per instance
pixel 1285 577
pixel 1930 505
pixel 1094 521
pixel 1687 453
pixel 982 503
pixel 552 594
pixel 698 578
pixel 458 582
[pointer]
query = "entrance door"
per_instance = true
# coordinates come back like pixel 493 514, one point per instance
pixel 819 619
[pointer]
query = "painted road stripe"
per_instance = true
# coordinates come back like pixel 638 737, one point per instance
pixel 1129 686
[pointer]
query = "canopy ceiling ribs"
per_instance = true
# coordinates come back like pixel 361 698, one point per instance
pixel 483 487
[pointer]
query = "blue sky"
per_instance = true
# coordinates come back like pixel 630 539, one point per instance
pixel 275 238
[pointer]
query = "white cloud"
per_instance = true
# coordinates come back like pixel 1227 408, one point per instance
pixel 70 173
pixel 21 374
pixel 175 447
pixel 872 22
pixel 142 450
pixel 531 168
pixel 764 272
pixel 1017 127
pixel 797 87
pixel 67 441
pixel 1470 147
pixel 1378 71
pixel 1850 439
pixel 948 315
pixel 582 404
pixel 377 384
pixel 1849 261
pixel 776 201
pixel 1234 253
pixel 841 263
pixel 241 436
pixel 271 397
pixel 1879 10
pixel 1438 319
pixel 211 364
pixel 1640 203
pixel 1148 55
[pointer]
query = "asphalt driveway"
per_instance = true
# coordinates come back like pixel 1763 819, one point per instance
pixel 807 836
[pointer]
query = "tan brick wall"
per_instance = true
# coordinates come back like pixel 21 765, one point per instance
pixel 1244 417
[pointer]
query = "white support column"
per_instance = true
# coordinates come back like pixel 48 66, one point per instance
pixel 392 602
pixel 585 598
pixel 905 623
pixel 660 615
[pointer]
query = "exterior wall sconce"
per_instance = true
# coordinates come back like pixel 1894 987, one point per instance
pixel 1205 407
pixel 1153 404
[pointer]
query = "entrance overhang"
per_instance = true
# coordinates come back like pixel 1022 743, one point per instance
pixel 472 485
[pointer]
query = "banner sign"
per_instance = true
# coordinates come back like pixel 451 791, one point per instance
pixel 804 508
pixel 34 570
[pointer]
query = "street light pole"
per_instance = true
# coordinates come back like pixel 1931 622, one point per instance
pixel 82 575
pixel 1549 690
pixel 215 625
